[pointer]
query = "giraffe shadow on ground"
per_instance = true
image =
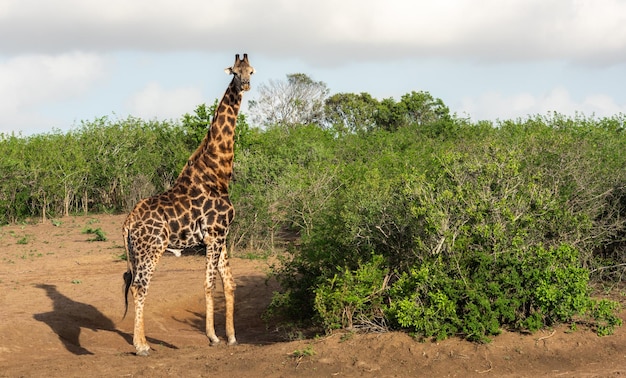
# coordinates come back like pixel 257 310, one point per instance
pixel 69 317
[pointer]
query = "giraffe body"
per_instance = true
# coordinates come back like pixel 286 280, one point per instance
pixel 195 211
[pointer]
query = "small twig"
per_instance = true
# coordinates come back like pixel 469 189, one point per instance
pixel 545 337
pixel 605 267
pixel 326 337
pixel 488 370
pixel 381 230
pixel 439 246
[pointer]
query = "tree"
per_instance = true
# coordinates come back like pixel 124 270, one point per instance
pixel 415 108
pixel 298 100
pixel 390 115
pixel 196 126
pixel 350 113
pixel 422 108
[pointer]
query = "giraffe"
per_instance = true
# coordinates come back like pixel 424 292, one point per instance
pixel 196 210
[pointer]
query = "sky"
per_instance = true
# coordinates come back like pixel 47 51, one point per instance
pixel 67 61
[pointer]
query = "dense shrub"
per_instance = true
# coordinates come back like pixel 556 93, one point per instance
pixel 466 235
pixel 478 293
pixel 102 165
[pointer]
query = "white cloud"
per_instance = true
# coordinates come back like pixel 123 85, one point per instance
pixel 327 31
pixel 28 81
pixel 603 105
pixel 495 105
pixel 156 102
pixel 51 62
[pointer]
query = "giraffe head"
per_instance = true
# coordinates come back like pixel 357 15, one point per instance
pixel 242 71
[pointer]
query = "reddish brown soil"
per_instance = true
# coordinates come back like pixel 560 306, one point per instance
pixel 61 307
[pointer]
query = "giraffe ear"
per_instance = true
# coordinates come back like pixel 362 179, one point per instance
pixel 228 70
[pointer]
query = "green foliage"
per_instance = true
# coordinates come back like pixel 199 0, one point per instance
pixel 414 109
pixel 15 179
pixel 101 165
pixel 476 295
pixel 99 235
pixel 282 181
pixel 306 352
pixel 394 214
pixel 352 295
pixel 196 125
pixel 424 110
pixel 472 231
pixel 23 240
pixel 348 113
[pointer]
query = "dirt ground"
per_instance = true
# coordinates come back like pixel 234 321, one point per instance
pixel 61 307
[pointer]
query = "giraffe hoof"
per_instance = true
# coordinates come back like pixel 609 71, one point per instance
pixel 143 352
pixel 214 342
pixel 233 342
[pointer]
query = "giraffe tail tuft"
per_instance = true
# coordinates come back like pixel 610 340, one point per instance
pixel 129 276
pixel 128 280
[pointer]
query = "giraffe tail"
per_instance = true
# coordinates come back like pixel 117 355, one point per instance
pixel 128 280
pixel 128 275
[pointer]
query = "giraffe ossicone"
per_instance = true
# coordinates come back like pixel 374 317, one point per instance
pixel 196 210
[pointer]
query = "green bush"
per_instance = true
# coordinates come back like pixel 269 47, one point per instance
pixel 484 230
pixel 101 165
pixel 477 295
pixel 353 297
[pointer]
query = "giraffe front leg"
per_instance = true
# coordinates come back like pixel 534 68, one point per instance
pixel 209 285
pixel 210 323
pixel 229 295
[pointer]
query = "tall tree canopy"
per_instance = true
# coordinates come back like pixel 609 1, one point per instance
pixel 351 113
pixel 298 100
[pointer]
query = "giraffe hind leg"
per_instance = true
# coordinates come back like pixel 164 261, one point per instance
pixel 139 338
pixel 144 263
pixel 139 294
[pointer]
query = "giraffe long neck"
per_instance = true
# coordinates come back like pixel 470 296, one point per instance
pixel 211 164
